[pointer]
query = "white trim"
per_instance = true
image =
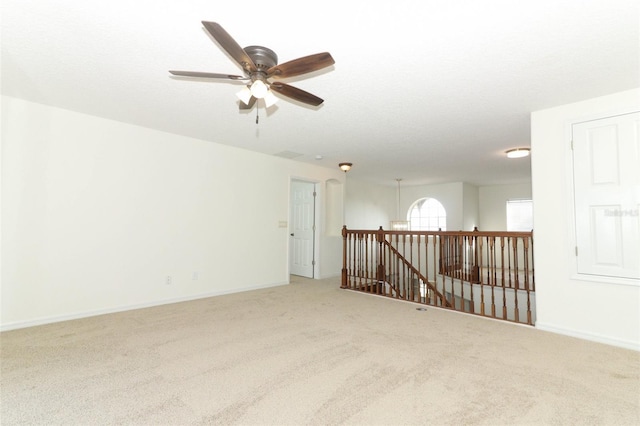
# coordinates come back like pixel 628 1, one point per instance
pixel 59 318
pixel 570 199
pixel 316 222
pixel 599 338
pixel 605 279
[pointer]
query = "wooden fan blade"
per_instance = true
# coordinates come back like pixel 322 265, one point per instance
pixel 301 65
pixel 230 45
pixel 208 75
pixel 252 102
pixel 295 93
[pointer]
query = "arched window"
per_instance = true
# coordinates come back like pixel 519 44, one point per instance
pixel 427 214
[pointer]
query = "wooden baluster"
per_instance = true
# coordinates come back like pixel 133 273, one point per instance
pixel 526 278
pixel 451 280
pixel 502 277
pixel 516 264
pixel 373 284
pixel 363 265
pixel 504 281
pixel 516 311
pixel 370 263
pixel 480 260
pixel 494 275
pixel 424 244
pixel 419 259
pixel 355 260
pixel 374 263
pixel 411 273
pixel 430 241
pixel 356 272
pixel 352 271
pixel 380 267
pixel 389 270
pixel 465 254
pixel 349 271
pixel 401 269
pixel 365 260
pixel 476 259
pixel 493 294
pixel 533 272
pixel 392 278
pixel 509 244
pixel 494 266
pixel 371 266
pixel 479 243
pixel 482 312
pixel 458 251
pixel 343 282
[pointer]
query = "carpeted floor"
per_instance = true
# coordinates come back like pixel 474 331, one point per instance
pixel 310 353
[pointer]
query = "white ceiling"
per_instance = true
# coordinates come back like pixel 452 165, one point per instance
pixel 427 91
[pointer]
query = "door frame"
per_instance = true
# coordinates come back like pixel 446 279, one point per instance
pixel 571 208
pixel 316 215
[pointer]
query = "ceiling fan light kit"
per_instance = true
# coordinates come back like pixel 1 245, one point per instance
pixel 260 65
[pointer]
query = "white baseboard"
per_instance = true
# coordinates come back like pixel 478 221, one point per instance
pixel 607 340
pixel 78 315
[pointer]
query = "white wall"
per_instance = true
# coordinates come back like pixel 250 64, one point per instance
pixel 368 206
pixel 493 204
pixel 594 310
pixel 470 207
pixel 331 238
pixel 96 214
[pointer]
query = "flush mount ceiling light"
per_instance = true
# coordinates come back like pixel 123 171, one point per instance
pixel 345 167
pixel 518 152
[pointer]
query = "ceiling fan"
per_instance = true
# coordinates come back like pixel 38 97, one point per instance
pixel 260 66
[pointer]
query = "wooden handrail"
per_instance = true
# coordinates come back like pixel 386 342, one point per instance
pixel 471 271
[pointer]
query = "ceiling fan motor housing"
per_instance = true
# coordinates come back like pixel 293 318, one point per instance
pixel 262 57
pixel 260 63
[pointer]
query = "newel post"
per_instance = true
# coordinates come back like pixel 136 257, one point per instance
pixel 475 270
pixel 344 257
pixel 381 278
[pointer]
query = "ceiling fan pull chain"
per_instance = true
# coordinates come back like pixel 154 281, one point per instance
pixel 257 114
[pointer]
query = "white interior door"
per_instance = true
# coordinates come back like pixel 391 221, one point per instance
pixel 606 158
pixel 302 228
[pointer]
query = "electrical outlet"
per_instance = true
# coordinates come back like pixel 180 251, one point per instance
pixel 195 275
pixel 168 280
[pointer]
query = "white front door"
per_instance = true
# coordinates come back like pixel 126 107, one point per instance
pixel 302 228
pixel 606 164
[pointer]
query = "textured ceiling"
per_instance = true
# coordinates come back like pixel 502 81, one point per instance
pixel 427 91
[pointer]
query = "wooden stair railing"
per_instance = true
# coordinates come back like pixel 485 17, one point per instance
pixel 484 273
pixel 430 286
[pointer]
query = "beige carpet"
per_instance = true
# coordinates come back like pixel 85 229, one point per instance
pixel 310 353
